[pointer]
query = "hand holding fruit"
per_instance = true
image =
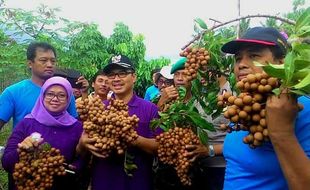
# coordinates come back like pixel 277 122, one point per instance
pixel 87 144
pixel 30 142
pixel 195 151
pixel 169 93
pixel 281 112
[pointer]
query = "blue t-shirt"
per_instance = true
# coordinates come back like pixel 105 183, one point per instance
pixel 18 100
pixel 259 168
pixel 151 92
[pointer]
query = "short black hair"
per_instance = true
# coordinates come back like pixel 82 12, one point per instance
pixel 32 48
pixel 99 72
pixel 157 70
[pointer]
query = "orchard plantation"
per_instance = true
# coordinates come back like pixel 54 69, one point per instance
pixel 81 46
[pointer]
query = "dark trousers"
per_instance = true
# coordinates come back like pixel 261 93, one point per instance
pixel 202 176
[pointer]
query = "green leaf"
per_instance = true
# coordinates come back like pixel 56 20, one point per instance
pixel 203 136
pixel 276 91
pixel 289 67
pixel 301 64
pixel 199 121
pixel 298 92
pixel 304 32
pixel 301 74
pixel 201 23
pixel 155 123
pixel 273 70
pixel 305 82
pixel 182 92
pixel 303 19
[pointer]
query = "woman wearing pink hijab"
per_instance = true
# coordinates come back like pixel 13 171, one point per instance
pixel 56 126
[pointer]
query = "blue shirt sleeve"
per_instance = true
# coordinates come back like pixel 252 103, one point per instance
pixel 302 125
pixel 72 109
pixel 147 95
pixel 6 105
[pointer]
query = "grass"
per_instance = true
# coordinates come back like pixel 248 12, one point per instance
pixel 4 135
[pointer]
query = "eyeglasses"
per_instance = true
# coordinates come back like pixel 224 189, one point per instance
pixel 50 95
pixel 122 74
pixel 165 82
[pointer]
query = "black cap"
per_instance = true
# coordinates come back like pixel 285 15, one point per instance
pixel 118 62
pixel 259 35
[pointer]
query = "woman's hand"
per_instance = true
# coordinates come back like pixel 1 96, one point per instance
pixel 30 142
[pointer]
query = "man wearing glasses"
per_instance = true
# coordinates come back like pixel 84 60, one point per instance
pixel 108 173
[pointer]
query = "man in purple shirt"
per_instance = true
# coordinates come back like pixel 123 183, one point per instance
pixel 108 173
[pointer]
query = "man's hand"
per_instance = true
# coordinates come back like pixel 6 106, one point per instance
pixel 281 112
pixel 87 144
pixel 84 82
pixel 195 151
pixel 167 94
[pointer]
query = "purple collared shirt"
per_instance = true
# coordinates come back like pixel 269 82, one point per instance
pixel 109 174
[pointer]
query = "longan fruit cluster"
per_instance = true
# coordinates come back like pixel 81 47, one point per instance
pixel 247 110
pixel 90 110
pixel 36 168
pixel 112 128
pixel 172 150
pixel 196 59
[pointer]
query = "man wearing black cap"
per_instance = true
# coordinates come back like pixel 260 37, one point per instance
pixel 284 162
pixel 108 173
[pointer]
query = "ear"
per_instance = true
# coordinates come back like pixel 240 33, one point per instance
pixel 134 76
pixel 93 84
pixel 29 63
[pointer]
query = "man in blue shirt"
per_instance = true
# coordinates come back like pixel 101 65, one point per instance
pixel 152 91
pixel 283 163
pixel 18 99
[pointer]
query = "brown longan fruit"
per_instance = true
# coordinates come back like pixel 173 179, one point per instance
pixel 247 100
pixel 251 78
pixel 243 114
pixel 258 136
pixel 238 102
pixel 256 107
pixel 240 85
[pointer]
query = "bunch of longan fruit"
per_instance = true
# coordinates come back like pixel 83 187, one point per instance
pixel 197 58
pixel 247 110
pixel 172 150
pixel 112 128
pixel 36 168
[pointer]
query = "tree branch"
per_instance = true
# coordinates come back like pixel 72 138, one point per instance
pixel 197 37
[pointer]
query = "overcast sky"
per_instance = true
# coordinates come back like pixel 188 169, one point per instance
pixel 167 25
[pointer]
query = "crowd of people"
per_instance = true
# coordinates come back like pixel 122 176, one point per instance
pixel 46 104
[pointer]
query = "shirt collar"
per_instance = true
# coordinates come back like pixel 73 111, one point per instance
pixel 133 102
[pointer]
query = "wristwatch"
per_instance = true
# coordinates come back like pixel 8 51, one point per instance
pixel 211 150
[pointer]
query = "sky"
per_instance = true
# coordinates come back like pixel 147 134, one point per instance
pixel 167 25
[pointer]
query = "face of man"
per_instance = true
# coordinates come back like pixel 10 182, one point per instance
pixel 76 92
pixel 246 57
pixel 179 79
pixel 121 81
pixel 163 82
pixel 101 85
pixel 43 65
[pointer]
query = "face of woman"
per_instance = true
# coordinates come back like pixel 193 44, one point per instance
pixel 55 99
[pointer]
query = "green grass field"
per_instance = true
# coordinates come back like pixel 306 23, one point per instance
pixel 4 134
